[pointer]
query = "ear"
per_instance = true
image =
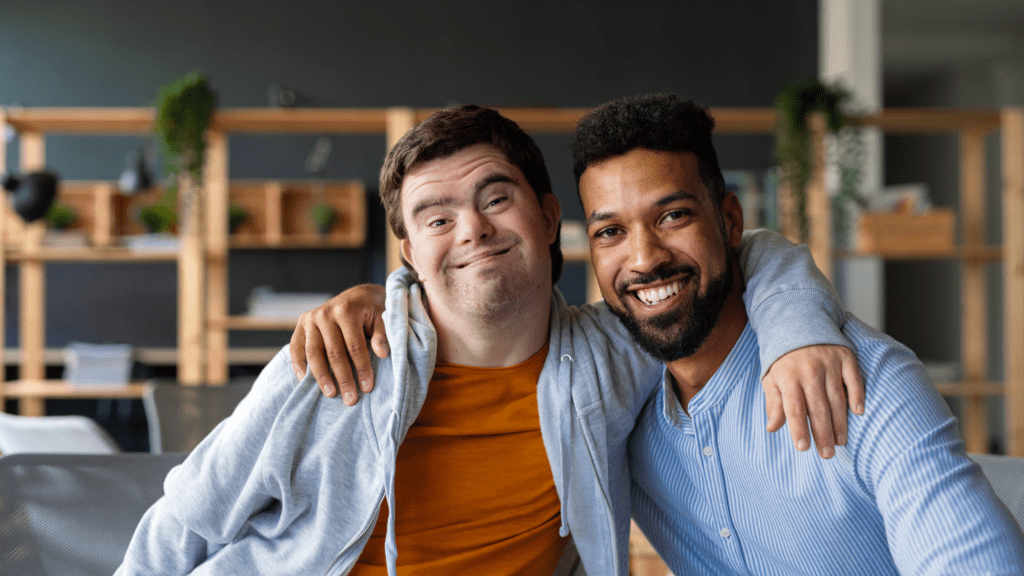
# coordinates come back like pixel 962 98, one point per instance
pixel 552 211
pixel 406 249
pixel 732 214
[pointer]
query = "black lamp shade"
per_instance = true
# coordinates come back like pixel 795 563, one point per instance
pixel 32 194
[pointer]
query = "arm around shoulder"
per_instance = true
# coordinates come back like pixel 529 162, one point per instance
pixel 790 303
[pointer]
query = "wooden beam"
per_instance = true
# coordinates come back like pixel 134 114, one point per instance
pixel 399 121
pixel 973 310
pixel 191 283
pixel 301 120
pixel 3 258
pixel 1012 136
pixel 82 120
pixel 215 178
pixel 931 120
pixel 32 292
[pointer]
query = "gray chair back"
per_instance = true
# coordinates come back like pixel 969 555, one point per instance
pixel 179 417
pixel 74 514
pixel 1006 474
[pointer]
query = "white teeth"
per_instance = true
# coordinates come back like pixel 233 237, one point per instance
pixel 655 295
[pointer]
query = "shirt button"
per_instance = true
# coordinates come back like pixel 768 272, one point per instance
pixel 725 532
pixel 708 451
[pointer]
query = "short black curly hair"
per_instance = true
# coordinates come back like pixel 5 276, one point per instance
pixel 663 122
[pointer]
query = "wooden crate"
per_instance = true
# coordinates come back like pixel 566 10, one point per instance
pixel 906 233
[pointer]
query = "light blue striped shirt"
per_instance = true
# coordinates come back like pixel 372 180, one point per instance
pixel 716 494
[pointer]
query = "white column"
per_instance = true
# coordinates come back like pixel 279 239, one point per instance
pixel 850 52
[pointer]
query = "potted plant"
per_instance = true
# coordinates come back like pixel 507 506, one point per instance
pixel 237 216
pixel 157 218
pixel 794 147
pixel 324 217
pixel 184 110
pixel 60 216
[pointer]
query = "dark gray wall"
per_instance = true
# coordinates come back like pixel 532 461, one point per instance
pixel 530 53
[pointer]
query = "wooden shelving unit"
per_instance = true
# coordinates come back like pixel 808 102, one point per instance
pixel 971 127
pixel 203 255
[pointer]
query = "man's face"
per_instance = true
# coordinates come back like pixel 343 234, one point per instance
pixel 477 236
pixel 660 248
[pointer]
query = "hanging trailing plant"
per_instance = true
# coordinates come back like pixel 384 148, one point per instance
pixel 794 147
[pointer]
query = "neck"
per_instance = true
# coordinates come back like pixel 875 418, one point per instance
pixel 493 340
pixel 690 374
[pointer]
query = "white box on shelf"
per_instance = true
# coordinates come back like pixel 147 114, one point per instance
pixel 265 303
pixel 97 364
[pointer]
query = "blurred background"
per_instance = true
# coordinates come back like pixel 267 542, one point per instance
pixel 723 53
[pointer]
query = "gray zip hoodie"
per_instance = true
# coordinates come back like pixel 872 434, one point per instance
pixel 292 482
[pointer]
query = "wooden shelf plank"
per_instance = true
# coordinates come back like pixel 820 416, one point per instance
pixel 252 323
pixel 301 120
pixel 97 254
pixel 61 389
pixel 932 120
pixel 82 120
pixel 157 355
pixel 993 253
pixel 970 388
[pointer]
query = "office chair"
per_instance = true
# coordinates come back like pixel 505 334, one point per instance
pixel 179 417
pixel 74 514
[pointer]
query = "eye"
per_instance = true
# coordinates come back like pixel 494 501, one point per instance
pixel 496 201
pixel 677 214
pixel 607 233
pixel 437 222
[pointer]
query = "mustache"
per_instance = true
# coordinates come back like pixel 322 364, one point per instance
pixel 622 288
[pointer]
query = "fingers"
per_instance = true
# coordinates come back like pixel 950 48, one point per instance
pixel 796 417
pixel 317 361
pixel 297 349
pixel 332 356
pixel 854 382
pixel 773 403
pixel 352 349
pixel 819 411
pixel 379 339
pixel 837 405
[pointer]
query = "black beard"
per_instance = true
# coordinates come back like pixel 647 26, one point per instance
pixel 693 323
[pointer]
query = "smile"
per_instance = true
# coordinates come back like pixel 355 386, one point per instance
pixel 652 296
pixel 484 257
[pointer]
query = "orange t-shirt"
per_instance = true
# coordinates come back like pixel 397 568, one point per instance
pixel 473 487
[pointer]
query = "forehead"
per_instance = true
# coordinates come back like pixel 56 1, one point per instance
pixel 637 174
pixel 459 172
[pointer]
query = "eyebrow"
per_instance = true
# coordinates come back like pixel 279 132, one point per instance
pixel 676 196
pixel 446 201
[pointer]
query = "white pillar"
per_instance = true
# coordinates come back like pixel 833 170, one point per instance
pixel 850 52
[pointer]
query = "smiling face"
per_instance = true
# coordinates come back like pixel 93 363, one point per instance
pixel 478 237
pixel 661 250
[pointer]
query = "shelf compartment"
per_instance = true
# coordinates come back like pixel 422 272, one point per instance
pixel 279 213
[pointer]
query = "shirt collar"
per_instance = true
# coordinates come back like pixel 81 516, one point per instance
pixel 741 360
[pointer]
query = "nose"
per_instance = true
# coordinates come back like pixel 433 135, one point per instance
pixel 474 227
pixel 647 252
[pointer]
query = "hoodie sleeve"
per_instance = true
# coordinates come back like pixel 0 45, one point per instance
pixel 210 496
pixel 790 304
